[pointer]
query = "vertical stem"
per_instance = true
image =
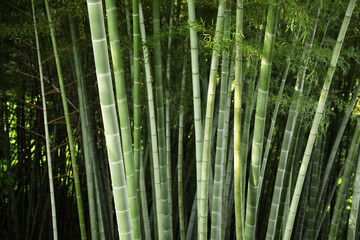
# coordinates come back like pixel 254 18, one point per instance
pixel 238 183
pixel 196 96
pixel 84 131
pixel 123 112
pixel 259 126
pixel 137 109
pixel 68 126
pixel 160 121
pixel 204 196
pixel 153 132
pixel 110 120
pixel 180 154
pixel 46 127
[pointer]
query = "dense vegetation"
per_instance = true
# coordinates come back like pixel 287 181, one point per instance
pixel 179 119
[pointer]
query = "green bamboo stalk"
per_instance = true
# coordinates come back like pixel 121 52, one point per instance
pixel 180 155
pixel 196 96
pixel 136 69
pixel 288 178
pixel 108 110
pixel 228 149
pixel 155 153
pixel 123 112
pixel 310 231
pixel 298 155
pixel 345 181
pixel 84 131
pixel 292 126
pixel 46 127
pixel 273 119
pixel 302 211
pixel 144 204
pixel 102 203
pixel 354 212
pixel 160 122
pixel 229 181
pixel 316 122
pixel 261 105
pixel 68 126
pixel 217 197
pixel 128 30
pixel 167 107
pixel 204 196
pixel 251 95
pixel 238 171
pixel 105 230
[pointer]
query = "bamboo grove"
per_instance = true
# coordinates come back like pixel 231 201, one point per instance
pixel 179 119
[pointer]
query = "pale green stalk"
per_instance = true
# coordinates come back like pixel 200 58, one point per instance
pixel 228 149
pixel 167 108
pixel 180 155
pixel 288 178
pixel 144 204
pixel 68 126
pixel 46 127
pixel 229 180
pixel 204 196
pixel 128 30
pixel 153 132
pixel 354 212
pixel 302 211
pixel 217 197
pixel 158 72
pixel 238 171
pixel 84 131
pixel 316 121
pixel 259 126
pixel 110 120
pixel 123 112
pixel 196 96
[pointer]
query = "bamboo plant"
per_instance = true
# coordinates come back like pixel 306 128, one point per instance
pixel 108 110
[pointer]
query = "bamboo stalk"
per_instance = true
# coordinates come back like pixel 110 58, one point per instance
pixel 68 126
pixel 46 127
